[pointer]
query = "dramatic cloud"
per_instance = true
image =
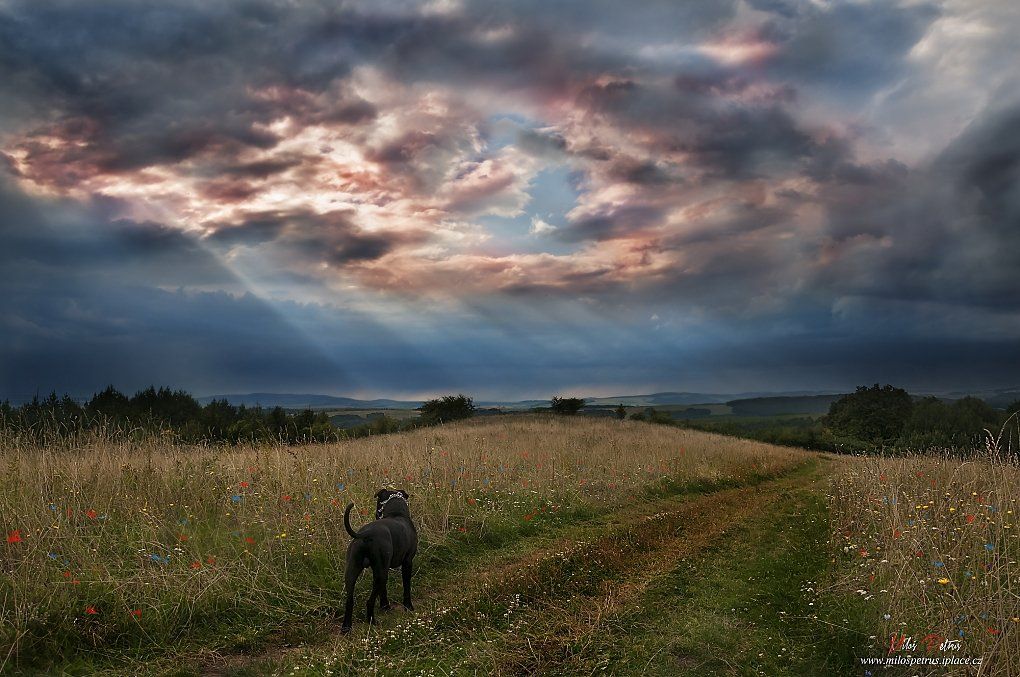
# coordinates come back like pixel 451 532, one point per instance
pixel 415 196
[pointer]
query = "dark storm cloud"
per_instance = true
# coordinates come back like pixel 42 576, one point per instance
pixel 617 223
pixel 45 239
pixel 333 237
pixel 781 253
pixel 846 47
pixel 947 232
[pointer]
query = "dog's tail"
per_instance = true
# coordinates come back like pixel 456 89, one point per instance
pixel 347 521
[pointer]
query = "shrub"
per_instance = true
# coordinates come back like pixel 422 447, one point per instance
pixel 446 409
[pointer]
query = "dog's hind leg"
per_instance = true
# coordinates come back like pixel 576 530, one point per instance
pixel 379 573
pixel 350 580
pixel 405 572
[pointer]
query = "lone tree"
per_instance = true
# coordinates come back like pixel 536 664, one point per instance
pixel 621 413
pixel 567 406
pixel 449 408
pixel 875 415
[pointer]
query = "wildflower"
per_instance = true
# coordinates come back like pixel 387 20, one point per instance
pixel 137 613
pixel 91 514
pixel 244 485
pixel 14 536
pixel 91 610
pixel 943 581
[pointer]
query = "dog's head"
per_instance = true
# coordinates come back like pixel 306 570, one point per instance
pixel 391 503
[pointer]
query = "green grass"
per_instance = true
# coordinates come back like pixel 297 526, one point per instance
pixel 233 630
pixel 747 606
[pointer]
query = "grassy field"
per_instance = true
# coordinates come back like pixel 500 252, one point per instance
pixel 550 545
pixel 934 542
pixel 120 552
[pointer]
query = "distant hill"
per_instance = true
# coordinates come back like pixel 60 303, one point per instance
pixel 1001 398
pixel 313 401
pixel 308 401
pixel 775 406
pixel 673 398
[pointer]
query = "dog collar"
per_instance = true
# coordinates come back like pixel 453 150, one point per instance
pixel 379 509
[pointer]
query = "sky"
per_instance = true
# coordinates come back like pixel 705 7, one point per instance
pixel 509 199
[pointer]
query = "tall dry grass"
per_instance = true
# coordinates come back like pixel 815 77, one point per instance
pixel 934 542
pixel 113 544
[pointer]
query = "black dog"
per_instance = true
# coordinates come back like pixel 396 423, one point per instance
pixel 389 542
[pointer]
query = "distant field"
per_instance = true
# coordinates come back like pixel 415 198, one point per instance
pixel 349 418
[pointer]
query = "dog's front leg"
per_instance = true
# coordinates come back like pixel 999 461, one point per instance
pixel 405 571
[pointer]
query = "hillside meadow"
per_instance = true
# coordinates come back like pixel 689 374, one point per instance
pixel 116 548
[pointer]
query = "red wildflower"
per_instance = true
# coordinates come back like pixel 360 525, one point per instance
pixel 249 540
pixel 970 519
pixel 137 613
pixel 196 565
pixel 244 485
pixel 90 513
pixel 91 610
pixel 14 536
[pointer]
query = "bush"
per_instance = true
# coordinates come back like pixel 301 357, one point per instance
pixel 566 406
pixel 446 409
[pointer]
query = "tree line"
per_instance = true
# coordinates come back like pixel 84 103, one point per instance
pixel 163 411
pixel 878 418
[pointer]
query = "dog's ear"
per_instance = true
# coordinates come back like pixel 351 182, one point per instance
pixel 382 494
pixel 404 494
